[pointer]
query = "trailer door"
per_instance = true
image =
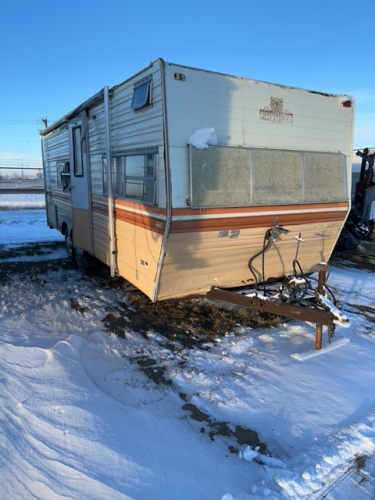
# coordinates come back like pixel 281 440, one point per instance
pixel 79 180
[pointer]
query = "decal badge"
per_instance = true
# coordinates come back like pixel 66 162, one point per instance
pixel 275 112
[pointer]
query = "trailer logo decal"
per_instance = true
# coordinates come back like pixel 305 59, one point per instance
pixel 275 112
pixel 232 235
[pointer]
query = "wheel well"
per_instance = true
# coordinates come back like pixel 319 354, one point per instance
pixel 64 228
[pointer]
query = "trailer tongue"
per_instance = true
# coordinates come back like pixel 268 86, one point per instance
pixel 314 307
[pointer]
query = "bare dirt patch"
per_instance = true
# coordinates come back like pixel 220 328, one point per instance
pixel 191 323
pixel 196 323
pixel 30 260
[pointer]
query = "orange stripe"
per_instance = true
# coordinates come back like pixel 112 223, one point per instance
pixel 140 220
pixel 132 205
pixel 241 210
pixel 149 222
pixel 140 206
pixel 58 196
pixel 199 225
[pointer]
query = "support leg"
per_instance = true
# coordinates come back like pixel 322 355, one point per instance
pixel 319 328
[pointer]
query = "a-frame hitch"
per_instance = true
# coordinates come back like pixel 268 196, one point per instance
pixel 314 307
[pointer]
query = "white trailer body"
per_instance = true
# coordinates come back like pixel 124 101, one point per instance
pixel 178 220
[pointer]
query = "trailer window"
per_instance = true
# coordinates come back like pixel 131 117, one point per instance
pixel 139 177
pixel 77 152
pixel 63 175
pixel 233 177
pixel 133 176
pixel 142 95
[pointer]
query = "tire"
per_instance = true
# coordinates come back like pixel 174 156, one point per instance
pixel 84 259
pixel 69 248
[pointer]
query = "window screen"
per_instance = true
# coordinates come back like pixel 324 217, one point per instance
pixel 276 177
pixel 220 177
pixel 232 177
pixel 323 176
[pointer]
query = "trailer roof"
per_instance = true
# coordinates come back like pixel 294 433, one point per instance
pixel 99 96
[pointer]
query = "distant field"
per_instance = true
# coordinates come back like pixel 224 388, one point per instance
pixel 13 184
pixel 21 201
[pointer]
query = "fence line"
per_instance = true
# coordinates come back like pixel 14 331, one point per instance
pixel 21 204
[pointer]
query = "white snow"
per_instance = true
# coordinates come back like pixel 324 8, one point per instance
pixel 312 353
pixel 15 231
pixel 340 318
pixel 14 201
pixel 79 420
pixel 203 138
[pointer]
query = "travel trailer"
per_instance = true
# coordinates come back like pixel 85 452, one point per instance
pixel 181 179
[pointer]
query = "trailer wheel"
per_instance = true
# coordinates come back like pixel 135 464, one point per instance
pixel 84 259
pixel 69 245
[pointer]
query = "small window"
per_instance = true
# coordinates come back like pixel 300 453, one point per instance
pixel 133 176
pixel 142 95
pixel 77 152
pixel 63 175
pixel 140 177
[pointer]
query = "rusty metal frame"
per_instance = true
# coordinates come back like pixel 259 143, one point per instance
pixel 311 311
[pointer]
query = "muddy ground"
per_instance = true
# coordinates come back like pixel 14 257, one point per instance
pixel 191 322
pixel 188 324
pixel 194 323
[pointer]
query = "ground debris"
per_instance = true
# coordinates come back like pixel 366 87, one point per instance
pixel 215 428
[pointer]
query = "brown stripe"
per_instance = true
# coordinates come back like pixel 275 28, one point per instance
pixel 132 205
pixel 192 226
pixel 58 196
pixel 147 221
pixel 245 210
pixel 102 209
pixel 140 220
pixel 97 197
pixel 141 206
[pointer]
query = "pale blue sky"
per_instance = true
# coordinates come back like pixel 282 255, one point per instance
pixel 56 54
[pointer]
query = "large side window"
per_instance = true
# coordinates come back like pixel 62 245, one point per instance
pixel 233 177
pixel 133 176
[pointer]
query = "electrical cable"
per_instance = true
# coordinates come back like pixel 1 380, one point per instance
pixel 23 147
pixel 264 249
pixel 294 293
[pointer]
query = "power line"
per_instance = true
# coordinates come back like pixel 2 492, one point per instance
pixel 22 168
pixel 16 164
pixel 19 162
pixel 26 143
pixel 36 120
pixel 18 122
